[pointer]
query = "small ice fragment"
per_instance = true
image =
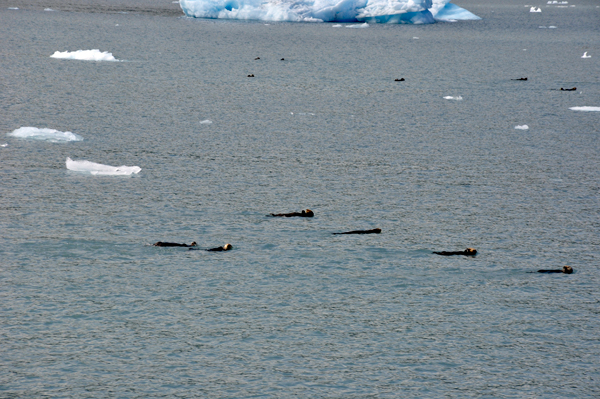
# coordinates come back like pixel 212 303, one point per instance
pixel 585 55
pixel 99 169
pixel 415 37
pixel 359 26
pixel 4 145
pixel 522 127
pixel 533 9
pixel 336 26
pixel 54 136
pixel 84 55
pixel 552 27
pixel 48 9
pixel 457 98
pixel 585 108
pixel 206 122
pixel 13 8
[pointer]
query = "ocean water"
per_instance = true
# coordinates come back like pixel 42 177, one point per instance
pixel 90 309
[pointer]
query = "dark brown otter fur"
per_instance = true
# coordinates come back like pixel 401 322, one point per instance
pixel 565 270
pixel 173 244
pixel 372 231
pixel 225 247
pixel 305 214
pixel 573 89
pixel 466 252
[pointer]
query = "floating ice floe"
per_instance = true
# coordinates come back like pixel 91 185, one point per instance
pixel 589 109
pixel 522 127
pixel 365 25
pixel 456 98
pixel 48 9
pixel 206 122
pixel 379 11
pixel 585 55
pixel 534 9
pixel 84 55
pixel 13 8
pixel 4 145
pixel 54 136
pixel 336 26
pixel 99 169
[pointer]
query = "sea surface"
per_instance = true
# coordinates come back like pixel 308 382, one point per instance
pixel 90 309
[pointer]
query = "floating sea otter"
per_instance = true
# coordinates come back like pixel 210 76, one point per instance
pixel 520 79
pixel 225 247
pixel 399 80
pixel 305 214
pixel 372 231
pixel 565 270
pixel 466 252
pixel 173 244
pixel 573 89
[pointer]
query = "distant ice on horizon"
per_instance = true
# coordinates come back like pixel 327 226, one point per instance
pixel 99 169
pixel 51 135
pixel 371 11
pixel 84 55
pixel 586 108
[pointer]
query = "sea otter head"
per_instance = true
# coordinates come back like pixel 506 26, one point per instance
pixel 567 269
pixel 377 231
pixel 193 244
pixel 470 251
pixel 309 212
pixel 227 247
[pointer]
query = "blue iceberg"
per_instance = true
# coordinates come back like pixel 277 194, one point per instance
pixel 373 11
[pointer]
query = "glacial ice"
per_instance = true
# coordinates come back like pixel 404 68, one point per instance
pixel 84 55
pixel 588 109
pixel 54 136
pixel 371 11
pixel 99 169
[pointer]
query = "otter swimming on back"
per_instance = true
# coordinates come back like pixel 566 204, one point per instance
pixel 305 214
pixel 225 247
pixel 172 244
pixel 372 231
pixel 565 270
pixel 466 252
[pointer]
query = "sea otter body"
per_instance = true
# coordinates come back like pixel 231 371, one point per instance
pixel 372 231
pixel 225 247
pixel 466 252
pixel 305 214
pixel 173 244
pixel 565 270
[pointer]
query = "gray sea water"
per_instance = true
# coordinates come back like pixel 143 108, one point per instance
pixel 90 309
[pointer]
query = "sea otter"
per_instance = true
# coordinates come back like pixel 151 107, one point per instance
pixel 305 214
pixel 573 89
pixel 225 247
pixel 399 80
pixel 520 79
pixel 173 244
pixel 466 252
pixel 565 270
pixel 372 231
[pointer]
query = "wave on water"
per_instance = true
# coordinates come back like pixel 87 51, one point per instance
pixel 84 55
pixel 54 136
pixel 585 108
pixel 99 169
pixel 372 11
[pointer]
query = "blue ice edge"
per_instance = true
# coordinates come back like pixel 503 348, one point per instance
pixel 372 11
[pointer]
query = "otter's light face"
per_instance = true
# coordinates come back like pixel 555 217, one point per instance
pixel 193 244
pixel 471 251
pixel 227 247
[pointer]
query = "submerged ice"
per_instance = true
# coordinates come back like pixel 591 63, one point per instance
pixel 54 136
pixel 99 169
pixel 379 11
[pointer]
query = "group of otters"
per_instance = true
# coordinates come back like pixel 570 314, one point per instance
pixel 308 214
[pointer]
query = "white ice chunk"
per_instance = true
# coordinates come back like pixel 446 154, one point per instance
pixel 48 9
pixel 84 55
pixel 457 98
pixel 589 109
pixel 380 11
pixel 51 135
pixel 533 9
pixel 206 122
pixel 13 8
pixel 452 13
pixel 522 127
pixel 585 55
pixel 359 26
pixel 4 145
pixel 99 169
pixel 336 26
